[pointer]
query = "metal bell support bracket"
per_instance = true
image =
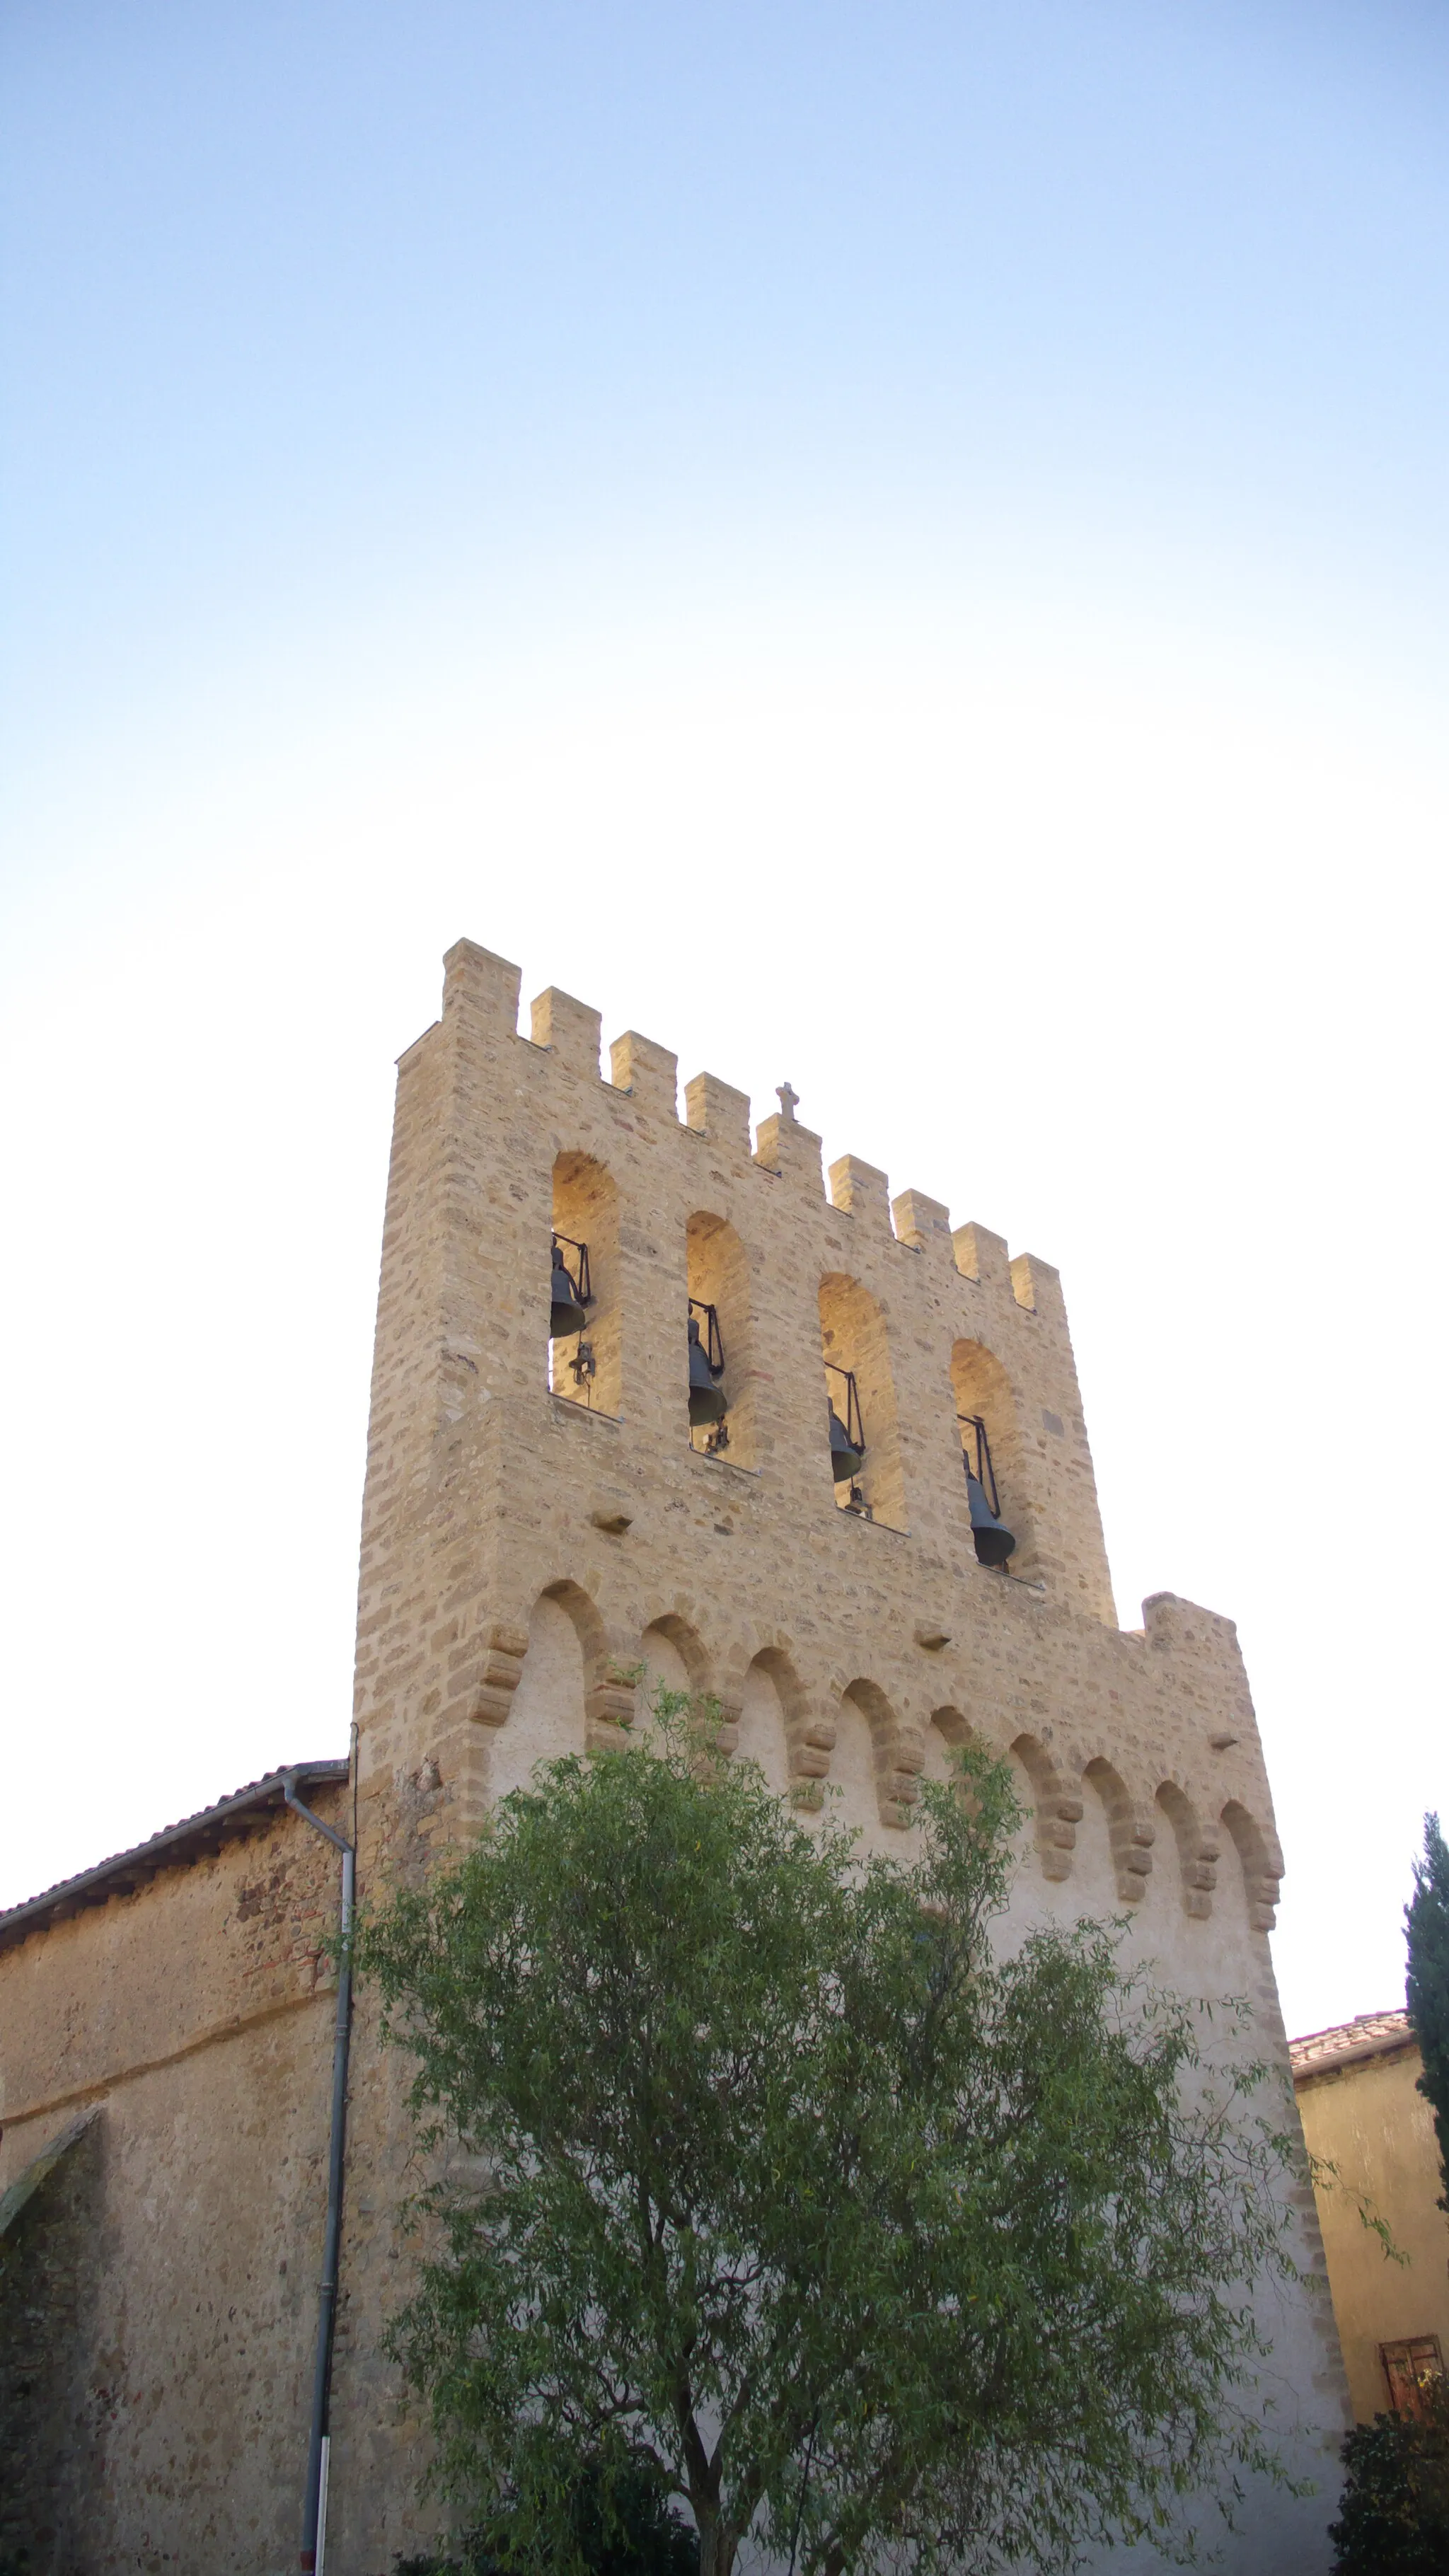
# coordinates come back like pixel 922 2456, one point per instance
pixel 706 1367
pixel 847 1438
pixel 994 1541
pixel 570 1295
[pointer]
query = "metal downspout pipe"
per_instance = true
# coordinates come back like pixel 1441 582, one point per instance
pixel 314 2509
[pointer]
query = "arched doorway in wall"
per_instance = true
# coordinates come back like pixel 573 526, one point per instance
pixel 719 1309
pixel 586 1363
pixel 988 1427
pixel 860 1392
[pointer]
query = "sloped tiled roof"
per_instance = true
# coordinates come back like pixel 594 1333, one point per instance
pixel 173 1847
pixel 1372 2035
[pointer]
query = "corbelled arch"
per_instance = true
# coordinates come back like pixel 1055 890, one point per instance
pixel 584 1616
pixel 774 1727
pixel 770 1697
pixel 542 1714
pixel 674 1656
pixel 679 1632
pixel 608 1688
pixel 946 1729
pixel 1132 1833
pixel 957 1728
pixel 1197 1849
pixel 1058 1806
pixel 1262 1864
pixel 896 1756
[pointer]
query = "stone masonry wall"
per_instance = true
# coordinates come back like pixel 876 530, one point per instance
pixel 525 1547
pixel 165 2275
pixel 523 1550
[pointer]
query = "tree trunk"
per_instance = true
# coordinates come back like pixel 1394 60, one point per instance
pixel 716 2547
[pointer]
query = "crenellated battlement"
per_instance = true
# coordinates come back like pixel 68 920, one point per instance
pixel 897 1270
pixel 526 1484
pixel 571 1032
pixel 571 1498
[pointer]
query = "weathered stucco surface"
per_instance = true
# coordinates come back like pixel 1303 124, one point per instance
pixel 524 1549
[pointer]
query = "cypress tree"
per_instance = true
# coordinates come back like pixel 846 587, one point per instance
pixel 1427 1985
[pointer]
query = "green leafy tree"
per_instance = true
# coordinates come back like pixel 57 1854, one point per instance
pixel 847 2231
pixel 616 2527
pixel 1427 1917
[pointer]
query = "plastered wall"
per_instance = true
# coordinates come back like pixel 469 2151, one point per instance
pixel 1373 2133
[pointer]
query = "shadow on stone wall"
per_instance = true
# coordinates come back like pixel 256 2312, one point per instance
pixel 50 2227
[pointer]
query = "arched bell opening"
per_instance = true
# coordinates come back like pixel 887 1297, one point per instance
pixel 862 1435
pixel 585 1355
pixel 987 1428
pixel 718 1337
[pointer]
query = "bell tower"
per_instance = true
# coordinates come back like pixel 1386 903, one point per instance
pixel 738 1392
pixel 824 1443
pixel 647 1395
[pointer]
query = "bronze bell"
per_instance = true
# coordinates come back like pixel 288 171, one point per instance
pixel 845 1458
pixel 994 1541
pixel 568 1315
pixel 706 1400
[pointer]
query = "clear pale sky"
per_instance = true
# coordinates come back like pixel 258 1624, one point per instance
pixel 902 547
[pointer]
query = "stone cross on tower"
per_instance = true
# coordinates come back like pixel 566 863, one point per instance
pixel 789 1102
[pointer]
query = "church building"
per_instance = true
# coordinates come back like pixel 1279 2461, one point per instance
pixel 808 1449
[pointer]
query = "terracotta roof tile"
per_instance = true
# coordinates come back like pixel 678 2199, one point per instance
pixel 1369 2036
